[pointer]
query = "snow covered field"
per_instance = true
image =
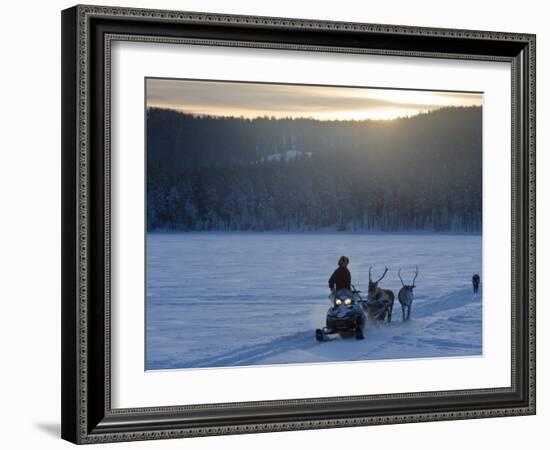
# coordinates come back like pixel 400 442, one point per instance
pixel 237 299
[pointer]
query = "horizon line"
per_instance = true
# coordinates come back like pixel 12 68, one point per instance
pixel 310 118
pixel 282 100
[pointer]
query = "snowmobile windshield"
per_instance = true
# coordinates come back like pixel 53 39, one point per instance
pixel 342 294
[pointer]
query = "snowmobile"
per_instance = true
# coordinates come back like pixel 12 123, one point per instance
pixel 345 317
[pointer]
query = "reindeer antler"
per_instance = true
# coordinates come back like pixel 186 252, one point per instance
pixel 415 275
pixel 383 275
pixel 399 275
pixel 370 279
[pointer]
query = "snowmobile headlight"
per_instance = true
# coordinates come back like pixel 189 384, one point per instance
pixel 347 301
pixel 338 302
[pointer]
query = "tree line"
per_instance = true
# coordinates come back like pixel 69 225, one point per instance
pixel 421 173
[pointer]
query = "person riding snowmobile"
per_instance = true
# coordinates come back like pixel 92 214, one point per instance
pixel 341 277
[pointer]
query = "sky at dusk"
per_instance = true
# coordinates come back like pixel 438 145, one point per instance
pixel 251 100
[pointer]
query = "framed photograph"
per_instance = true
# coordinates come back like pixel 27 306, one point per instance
pixel 279 224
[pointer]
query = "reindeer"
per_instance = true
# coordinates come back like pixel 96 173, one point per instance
pixel 406 295
pixel 376 294
pixel 475 282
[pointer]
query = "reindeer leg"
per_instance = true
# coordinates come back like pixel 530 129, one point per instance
pixel 409 311
pixel 403 311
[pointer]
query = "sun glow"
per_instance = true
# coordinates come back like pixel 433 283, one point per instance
pixel 375 114
pixel 252 100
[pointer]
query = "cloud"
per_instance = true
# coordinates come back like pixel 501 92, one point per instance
pixel 280 100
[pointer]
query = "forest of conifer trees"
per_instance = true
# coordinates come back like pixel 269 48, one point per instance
pixel 421 173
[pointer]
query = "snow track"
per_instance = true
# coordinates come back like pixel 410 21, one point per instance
pixel 259 352
pixel 227 325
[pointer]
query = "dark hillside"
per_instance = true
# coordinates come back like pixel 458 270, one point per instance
pixel 412 174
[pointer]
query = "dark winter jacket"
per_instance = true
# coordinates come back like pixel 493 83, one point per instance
pixel 340 279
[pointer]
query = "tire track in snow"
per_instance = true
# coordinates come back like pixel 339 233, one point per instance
pixel 386 341
pixel 255 353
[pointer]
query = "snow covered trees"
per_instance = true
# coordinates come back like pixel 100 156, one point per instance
pixel 413 174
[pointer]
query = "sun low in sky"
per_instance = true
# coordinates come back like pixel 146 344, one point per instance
pixel 251 100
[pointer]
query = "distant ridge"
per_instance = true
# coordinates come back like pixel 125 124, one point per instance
pixel 409 174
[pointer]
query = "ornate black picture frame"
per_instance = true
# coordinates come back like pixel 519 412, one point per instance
pixel 87 34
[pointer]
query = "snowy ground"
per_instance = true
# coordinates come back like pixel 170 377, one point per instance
pixel 221 299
